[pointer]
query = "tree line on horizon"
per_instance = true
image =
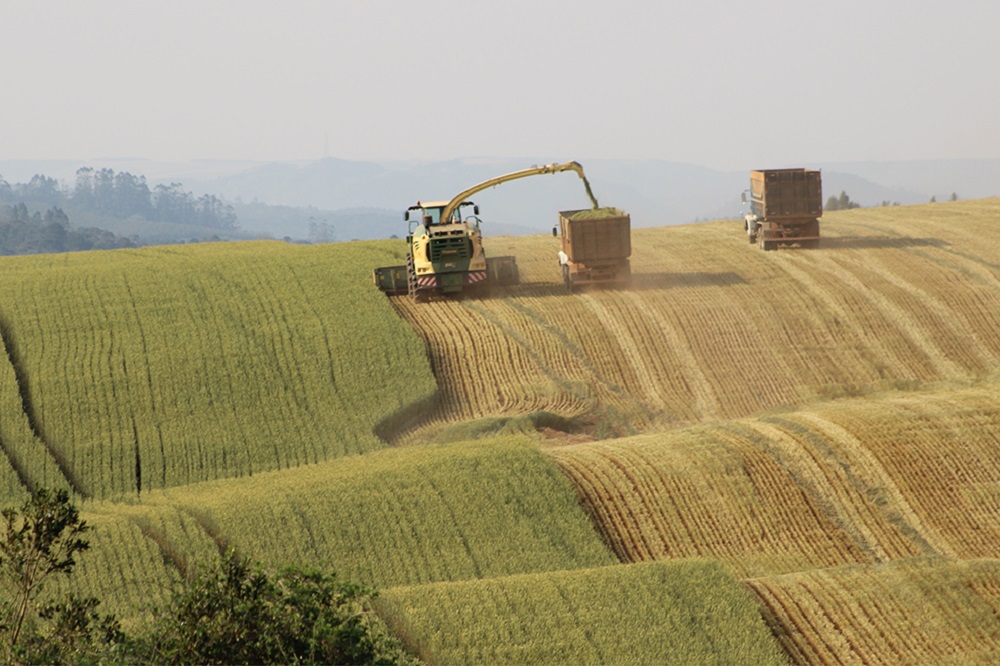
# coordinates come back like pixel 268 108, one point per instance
pixel 102 193
pixel 844 202
pixel 23 232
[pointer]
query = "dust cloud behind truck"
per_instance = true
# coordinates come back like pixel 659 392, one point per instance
pixel 785 207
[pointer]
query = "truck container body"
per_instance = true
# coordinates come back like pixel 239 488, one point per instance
pixel 595 238
pixel 595 248
pixel 785 207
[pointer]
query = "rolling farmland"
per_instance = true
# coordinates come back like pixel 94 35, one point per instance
pixel 815 432
pixel 713 330
pixel 915 612
pixel 167 366
pixel 687 612
pixel 406 516
pixel 853 481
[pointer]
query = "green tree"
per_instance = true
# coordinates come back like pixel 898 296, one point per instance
pixel 40 539
pixel 240 614
pixel 41 189
pixel 843 202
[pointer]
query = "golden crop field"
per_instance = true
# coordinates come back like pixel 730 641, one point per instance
pixel 716 329
pixel 850 481
pixel 821 426
pixel 922 611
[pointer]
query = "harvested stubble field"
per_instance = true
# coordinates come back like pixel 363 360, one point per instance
pixel 823 425
pixel 922 611
pixel 851 481
pixel 713 330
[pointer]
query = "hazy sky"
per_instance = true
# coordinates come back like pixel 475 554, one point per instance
pixel 720 83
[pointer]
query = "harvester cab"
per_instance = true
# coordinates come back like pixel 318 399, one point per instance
pixel 430 214
pixel 446 252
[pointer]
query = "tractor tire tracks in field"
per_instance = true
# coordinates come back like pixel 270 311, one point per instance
pixel 19 458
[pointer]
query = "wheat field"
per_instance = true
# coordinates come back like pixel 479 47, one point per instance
pixel 812 432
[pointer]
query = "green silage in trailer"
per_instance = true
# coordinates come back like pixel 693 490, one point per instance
pixel 171 365
pixel 678 612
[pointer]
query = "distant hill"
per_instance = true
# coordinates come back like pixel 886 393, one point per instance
pixel 654 192
pixel 365 199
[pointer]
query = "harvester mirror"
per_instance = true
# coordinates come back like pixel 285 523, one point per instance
pixel 554 234
pixel 743 197
pixel 475 209
pixel 406 216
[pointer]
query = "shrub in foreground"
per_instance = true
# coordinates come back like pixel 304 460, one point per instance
pixel 242 614
pixel 38 540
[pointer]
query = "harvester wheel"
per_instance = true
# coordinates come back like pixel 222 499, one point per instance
pixel 769 246
pixel 411 282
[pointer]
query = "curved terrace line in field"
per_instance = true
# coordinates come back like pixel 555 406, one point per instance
pixel 27 472
pixel 897 308
pixel 914 474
